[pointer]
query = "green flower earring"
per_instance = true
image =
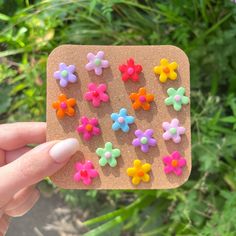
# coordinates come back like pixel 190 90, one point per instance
pixel 108 155
pixel 176 98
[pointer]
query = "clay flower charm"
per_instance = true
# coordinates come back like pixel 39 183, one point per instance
pixel 85 172
pixel 139 172
pixel 173 130
pixel 65 74
pixel 64 106
pixel 121 120
pixel 176 98
pixel 166 70
pixel 141 99
pixel 130 71
pixel 96 94
pixel 174 163
pixel 96 62
pixel 144 139
pixel 108 155
pixel 88 128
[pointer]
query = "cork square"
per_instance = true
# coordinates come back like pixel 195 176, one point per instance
pixel 119 91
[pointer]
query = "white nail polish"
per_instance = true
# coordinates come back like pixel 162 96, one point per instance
pixel 63 150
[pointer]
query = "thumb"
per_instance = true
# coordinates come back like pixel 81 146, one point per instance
pixel 33 166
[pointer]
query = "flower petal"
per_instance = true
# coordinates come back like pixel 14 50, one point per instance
pixel 123 112
pixel 90 66
pixel 146 167
pixel 172 75
pixel 146 178
pixel 103 161
pixel 171 91
pixel 176 155
pixel 72 78
pixel 185 100
pixel 123 68
pixel 176 139
pixel 100 151
pixel 173 65
pixel 169 101
pixel 124 128
pixel 115 152
pixel 182 162
pixel 136 142
pixel 129 119
pixel 167 135
pixel 144 147
pixel 71 102
pixel 90 56
pixel 157 69
pixel 174 123
pixel 98 70
pixel 168 169
pixel 131 171
pixel 167 160
pixel 116 126
pixel 100 55
pixel 137 163
pixel 114 116
pixel 164 62
pixel 108 146
pixel 105 64
pixel 112 162
pixel 63 83
pixel 163 77
pixel 177 171
pixel 177 106
pixel 136 180
pixel 57 75
pixel 181 91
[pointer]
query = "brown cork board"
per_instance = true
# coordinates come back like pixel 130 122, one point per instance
pixel 116 178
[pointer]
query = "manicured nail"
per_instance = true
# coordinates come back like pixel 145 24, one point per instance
pixel 63 150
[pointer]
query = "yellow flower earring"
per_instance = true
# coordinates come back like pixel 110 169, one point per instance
pixel 166 70
pixel 139 172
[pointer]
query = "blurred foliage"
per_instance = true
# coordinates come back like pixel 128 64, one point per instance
pixel 206 31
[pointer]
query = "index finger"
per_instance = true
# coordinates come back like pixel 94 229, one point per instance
pixel 16 135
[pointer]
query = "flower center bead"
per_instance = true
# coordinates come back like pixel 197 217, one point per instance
pixel 121 119
pixel 177 98
pixel 84 173
pixel 63 105
pixel 166 70
pixel 142 99
pixel 140 173
pixel 95 93
pixel 174 163
pixel 64 73
pixel 107 155
pixel 97 62
pixel 173 130
pixel 144 140
pixel 89 127
pixel 130 70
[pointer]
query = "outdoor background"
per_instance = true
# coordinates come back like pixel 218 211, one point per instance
pixel 206 31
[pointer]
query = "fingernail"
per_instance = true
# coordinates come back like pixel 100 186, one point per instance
pixel 63 150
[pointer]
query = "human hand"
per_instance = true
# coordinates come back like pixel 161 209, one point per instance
pixel 21 167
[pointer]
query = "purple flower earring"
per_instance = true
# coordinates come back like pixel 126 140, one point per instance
pixel 144 139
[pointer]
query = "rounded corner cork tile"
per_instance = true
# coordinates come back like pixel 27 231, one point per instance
pixel 111 175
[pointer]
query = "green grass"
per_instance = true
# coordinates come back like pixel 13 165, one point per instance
pixel 206 31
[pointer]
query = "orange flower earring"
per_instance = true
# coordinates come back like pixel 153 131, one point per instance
pixel 141 99
pixel 64 106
